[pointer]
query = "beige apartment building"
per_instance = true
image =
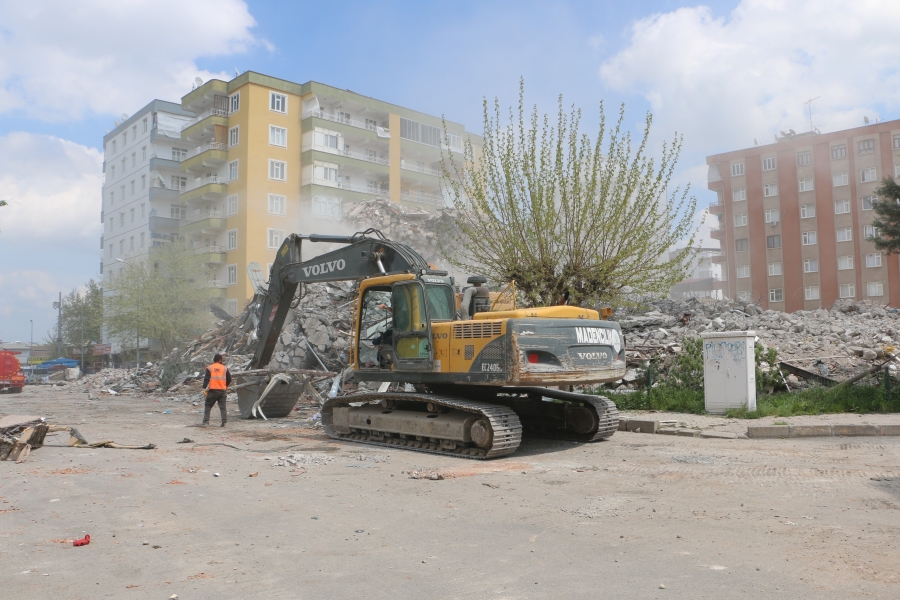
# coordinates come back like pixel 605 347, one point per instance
pixel 795 218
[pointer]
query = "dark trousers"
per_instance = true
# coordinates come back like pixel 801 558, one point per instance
pixel 213 397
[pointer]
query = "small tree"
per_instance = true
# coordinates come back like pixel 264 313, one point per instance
pixel 164 298
pixel 74 305
pixel 545 206
pixel 887 219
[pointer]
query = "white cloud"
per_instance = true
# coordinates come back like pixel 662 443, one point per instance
pixel 53 190
pixel 60 60
pixel 725 81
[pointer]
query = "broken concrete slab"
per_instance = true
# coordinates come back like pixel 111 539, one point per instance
pixel 623 425
pixel 768 431
pixel 718 435
pixel 688 432
pixel 668 431
pixel 637 426
pixel 889 430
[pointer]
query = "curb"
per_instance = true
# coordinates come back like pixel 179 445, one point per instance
pixel 763 431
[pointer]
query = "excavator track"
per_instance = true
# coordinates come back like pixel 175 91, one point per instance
pixel 500 438
pixel 597 417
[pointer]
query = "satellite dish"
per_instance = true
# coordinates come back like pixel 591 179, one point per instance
pixel 198 82
pixel 123 117
pixel 866 119
pixel 755 143
pixel 792 132
pixel 257 279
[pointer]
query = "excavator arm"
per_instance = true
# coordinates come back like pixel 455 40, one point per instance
pixel 367 254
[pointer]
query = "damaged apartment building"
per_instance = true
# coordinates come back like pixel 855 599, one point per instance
pixel 795 219
pixel 240 164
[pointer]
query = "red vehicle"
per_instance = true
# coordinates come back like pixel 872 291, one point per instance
pixel 11 375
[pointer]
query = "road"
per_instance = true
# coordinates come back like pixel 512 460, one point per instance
pixel 705 518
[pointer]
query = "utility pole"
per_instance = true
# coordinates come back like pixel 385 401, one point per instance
pixel 31 344
pixel 82 336
pixel 58 306
pixel 808 104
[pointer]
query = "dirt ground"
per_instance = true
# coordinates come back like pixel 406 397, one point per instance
pixel 705 518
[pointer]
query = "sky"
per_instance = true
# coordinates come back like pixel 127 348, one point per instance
pixel 721 74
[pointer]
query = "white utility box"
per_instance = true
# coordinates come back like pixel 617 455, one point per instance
pixel 729 370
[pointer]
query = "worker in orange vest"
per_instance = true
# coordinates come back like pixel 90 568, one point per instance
pixel 216 382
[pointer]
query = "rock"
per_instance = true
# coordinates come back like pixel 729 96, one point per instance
pixel 869 354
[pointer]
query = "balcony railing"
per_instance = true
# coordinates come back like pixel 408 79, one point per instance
pixel 352 187
pixel 204 147
pixel 210 250
pixel 169 133
pixel 201 181
pixel 210 112
pixel 422 197
pixel 339 118
pixel 408 166
pixel 368 157
pixel 206 214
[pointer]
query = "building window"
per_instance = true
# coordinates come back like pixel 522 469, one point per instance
pixel 232 170
pixel 741 245
pixel 232 274
pixel 275 237
pixel 897 142
pixel 806 184
pixel 804 158
pixel 113 145
pixel 845 263
pixel 808 238
pixel 144 154
pixel 770 189
pixel 121 219
pixel 132 216
pixel 132 187
pixel 867 147
pixel 276 204
pixel 870 232
pixel 773 241
pixel 739 194
pixel 110 250
pixel 844 234
pixel 131 243
pixel 326 139
pixel 277 136
pixel 234 136
pixel 231 239
pixel 713 174
pixel 839 151
pixel 112 172
pixel 179 154
pixel 772 216
pixel 811 292
pixel 841 207
pixel 848 290
pixel 235 102
pixel 737 169
pixel 811 265
pixel 743 271
pixel 122 192
pixel 325 171
pixel 121 247
pixel 896 170
pixel 142 211
pixel 326 206
pixel 133 159
pixel 231 205
pixel 776 295
pixel 840 179
pixel 176 211
pixel 231 307
pixel 124 138
pixel 144 125
pixel 769 164
pixel 807 211
pixel 143 182
pixel 867 175
pixel 868 202
pixel 277 170
pixel 178 182
pixel 774 269
pixel 142 239
pixel 277 102
pixel 875 288
pixel 873 260
pixel 739 219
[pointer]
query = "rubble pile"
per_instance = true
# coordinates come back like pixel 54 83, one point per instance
pixel 835 343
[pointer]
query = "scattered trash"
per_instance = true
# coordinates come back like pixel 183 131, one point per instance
pixel 145 543
pixel 254 474
pixel 83 541
pixel 216 475
pixel 186 441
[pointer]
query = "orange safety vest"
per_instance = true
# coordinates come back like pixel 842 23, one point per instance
pixel 217 380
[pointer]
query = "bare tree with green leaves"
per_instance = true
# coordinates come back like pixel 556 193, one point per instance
pixel 546 206
pixel 82 318
pixel 164 298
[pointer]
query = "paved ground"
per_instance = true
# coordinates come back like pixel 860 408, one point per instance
pixel 809 518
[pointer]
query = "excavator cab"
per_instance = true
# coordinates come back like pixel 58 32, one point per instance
pixel 412 329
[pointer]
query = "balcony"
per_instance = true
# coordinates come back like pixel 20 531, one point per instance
pixel 162 132
pixel 352 187
pixel 719 258
pixel 160 193
pixel 421 197
pixel 203 125
pixel 158 223
pixel 205 156
pixel 209 221
pixel 204 188
pixel 365 156
pixel 713 174
pixel 716 208
pixel 417 168
pixel 382 132
pixel 212 254
pixel 210 112
pixel 717 233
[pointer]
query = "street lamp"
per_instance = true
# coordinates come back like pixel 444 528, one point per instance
pixel 31 344
pixel 137 335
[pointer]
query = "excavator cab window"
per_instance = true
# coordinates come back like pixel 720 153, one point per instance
pixel 412 331
pixel 441 302
pixel 374 324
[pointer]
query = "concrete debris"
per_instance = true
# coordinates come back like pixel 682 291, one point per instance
pixel 836 343
pixel 296 460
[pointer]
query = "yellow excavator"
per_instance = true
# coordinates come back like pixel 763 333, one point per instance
pixel 479 376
